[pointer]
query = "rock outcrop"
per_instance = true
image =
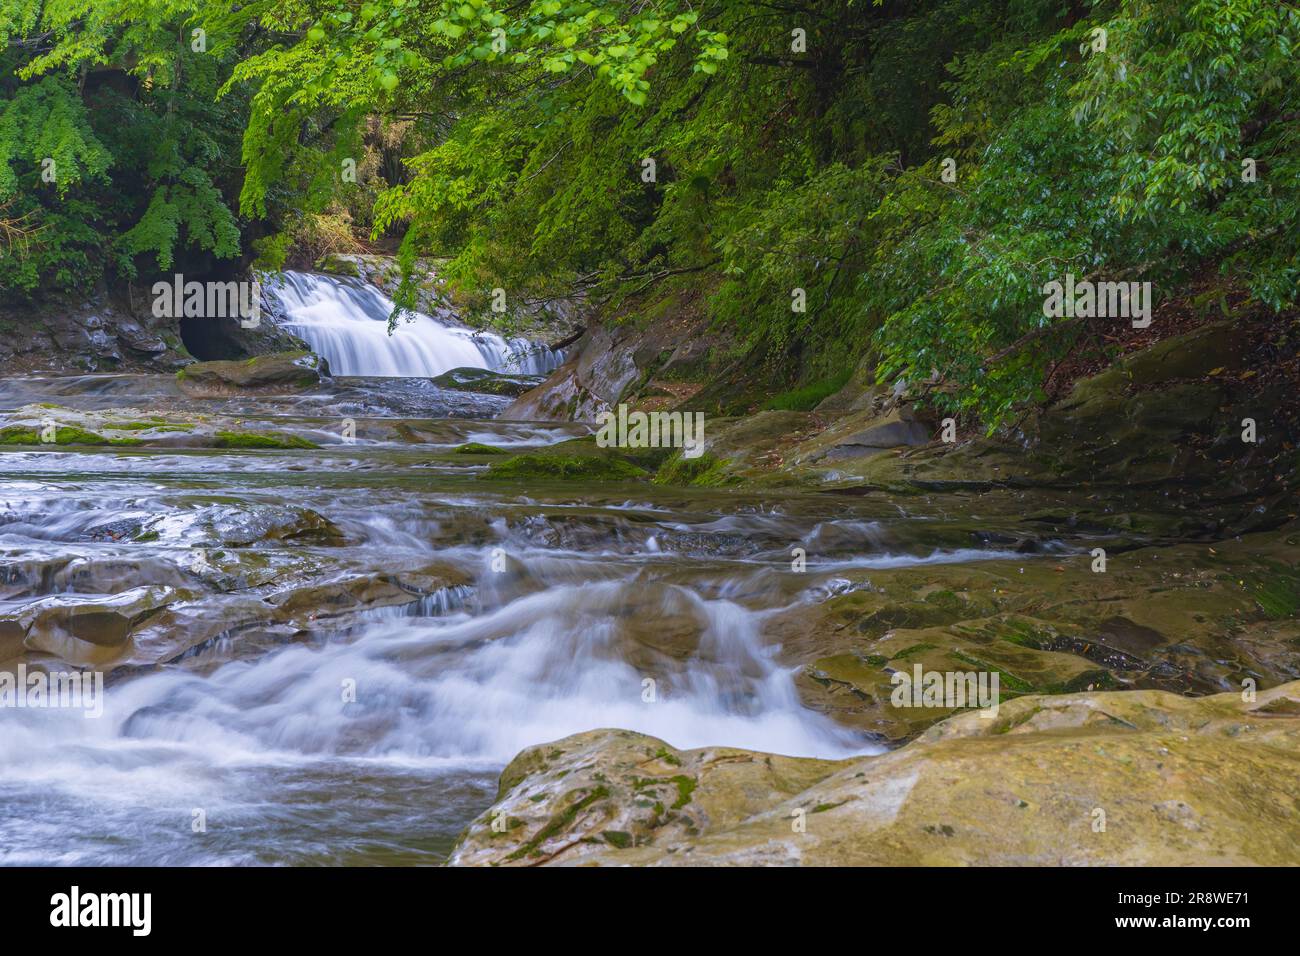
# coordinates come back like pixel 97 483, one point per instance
pixel 1168 419
pixel 584 386
pixel 658 360
pixel 1134 778
pixel 1189 619
pixel 270 374
pixel 485 381
pixel 91 336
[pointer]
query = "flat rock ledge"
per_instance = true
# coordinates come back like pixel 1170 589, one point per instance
pixel 1114 778
pixel 277 373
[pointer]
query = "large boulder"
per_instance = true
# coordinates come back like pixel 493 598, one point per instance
pixel 277 373
pixel 1137 778
pixel 486 381
pixel 86 630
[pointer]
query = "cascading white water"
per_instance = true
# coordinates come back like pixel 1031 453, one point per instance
pixel 441 704
pixel 374 735
pixel 346 321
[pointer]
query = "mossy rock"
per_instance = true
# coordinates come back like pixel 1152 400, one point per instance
pixel 227 439
pixel 1183 781
pixel 338 265
pixel 477 448
pixel 140 426
pixel 706 471
pixel 262 374
pixel 486 381
pixel 648 459
pixel 63 435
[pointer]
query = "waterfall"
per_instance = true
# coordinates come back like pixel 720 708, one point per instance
pixel 346 321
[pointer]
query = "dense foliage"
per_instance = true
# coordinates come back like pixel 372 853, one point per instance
pixel 910 173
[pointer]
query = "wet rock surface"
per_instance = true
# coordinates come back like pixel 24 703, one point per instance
pixel 487 382
pixel 1138 778
pixel 393 585
pixel 97 335
pixel 1148 561
pixel 1180 619
pixel 276 373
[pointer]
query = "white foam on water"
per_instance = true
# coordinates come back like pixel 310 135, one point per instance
pixel 546 650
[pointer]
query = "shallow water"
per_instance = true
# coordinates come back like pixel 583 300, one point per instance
pixel 373 732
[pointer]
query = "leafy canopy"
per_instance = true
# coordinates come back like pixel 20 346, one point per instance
pixel 801 147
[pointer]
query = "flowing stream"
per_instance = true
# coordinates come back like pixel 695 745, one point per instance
pixel 333 652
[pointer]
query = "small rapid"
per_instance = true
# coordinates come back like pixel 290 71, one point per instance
pixel 328 654
pixel 346 320
pixel 400 722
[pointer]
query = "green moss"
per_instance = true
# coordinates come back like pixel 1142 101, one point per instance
pixel 808 397
pixel 1006 680
pixel 126 441
pixel 18 435
pixel 63 435
pixel 823 807
pixel 564 468
pixel 667 758
pixel 72 435
pixel 146 536
pixel 946 600
pixel 647 459
pixel 913 649
pixel 477 448
pixel 1277 593
pixel 1023 634
pixel 262 440
pixel 339 267
pixel 706 471
pixel 646 783
pixel 558 822
pixel 618 838
pixel 1007 724
pixel 685 787
pixel 912 615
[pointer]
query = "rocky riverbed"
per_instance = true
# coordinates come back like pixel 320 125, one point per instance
pixel 332 610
